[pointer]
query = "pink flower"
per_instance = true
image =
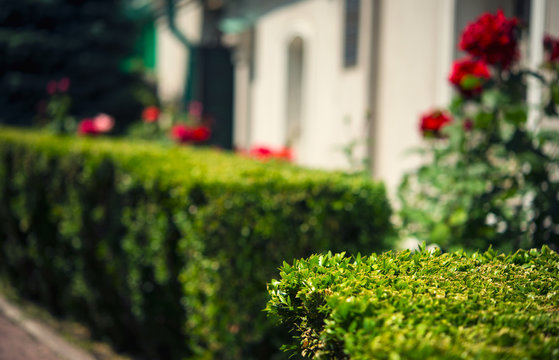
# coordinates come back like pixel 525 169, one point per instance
pixel 64 84
pixel 51 87
pixel 103 123
pixel 151 114
pixel 195 108
pixel 87 127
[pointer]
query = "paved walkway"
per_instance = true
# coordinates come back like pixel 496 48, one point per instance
pixel 17 344
pixel 22 338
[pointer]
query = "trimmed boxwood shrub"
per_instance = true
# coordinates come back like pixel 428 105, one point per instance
pixel 166 251
pixel 422 305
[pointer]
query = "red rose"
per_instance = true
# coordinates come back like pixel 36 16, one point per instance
pixel 285 153
pixel 260 152
pixel 265 153
pixel 51 87
pixel 431 123
pixel 64 84
pixel 87 127
pixel 551 48
pixel 492 38
pixel 468 124
pixel 151 114
pixel 181 133
pixel 201 134
pixel 468 75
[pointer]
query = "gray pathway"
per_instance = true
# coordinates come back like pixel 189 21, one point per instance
pixel 24 338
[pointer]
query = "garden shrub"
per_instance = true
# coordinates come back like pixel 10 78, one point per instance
pixel 166 251
pixel 422 305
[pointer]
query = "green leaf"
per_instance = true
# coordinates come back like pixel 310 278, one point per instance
pixel 470 82
pixel 458 217
pixel 493 98
pixel 456 104
pixel 516 114
pixel 482 120
pixel 555 93
pixel 440 233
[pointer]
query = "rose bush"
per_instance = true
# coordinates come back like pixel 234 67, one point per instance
pixel 172 124
pixel 102 123
pixel 53 113
pixel 491 178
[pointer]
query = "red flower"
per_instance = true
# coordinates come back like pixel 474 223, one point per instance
pixel 468 75
pixel 431 123
pixel 87 127
pixel 260 152
pixel 492 38
pixel 64 84
pixel 551 48
pixel 201 134
pixel 265 153
pixel 51 87
pixel 102 123
pixel 468 124
pixel 151 114
pixel 183 133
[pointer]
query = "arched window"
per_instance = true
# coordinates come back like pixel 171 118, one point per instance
pixel 295 77
pixel 351 32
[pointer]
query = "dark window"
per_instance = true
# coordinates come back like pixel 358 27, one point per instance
pixel 351 32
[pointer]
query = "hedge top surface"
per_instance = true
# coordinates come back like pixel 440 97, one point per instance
pixel 422 305
pixel 185 164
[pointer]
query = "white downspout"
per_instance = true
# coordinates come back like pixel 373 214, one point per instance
pixel 537 30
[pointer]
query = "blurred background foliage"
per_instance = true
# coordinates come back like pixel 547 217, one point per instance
pixel 88 41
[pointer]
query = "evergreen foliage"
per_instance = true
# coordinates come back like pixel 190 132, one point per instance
pixel 84 40
pixel 421 305
pixel 166 251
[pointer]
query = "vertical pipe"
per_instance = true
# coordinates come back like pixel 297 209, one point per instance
pixel 374 56
pixel 537 30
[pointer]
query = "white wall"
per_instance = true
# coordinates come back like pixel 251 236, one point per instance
pixel 331 93
pixel 172 55
pixel 416 46
pixel 414 61
pixel 552 17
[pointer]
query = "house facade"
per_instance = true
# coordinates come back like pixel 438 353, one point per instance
pixel 343 82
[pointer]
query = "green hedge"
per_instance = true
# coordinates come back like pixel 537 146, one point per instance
pixel 422 305
pixel 166 251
